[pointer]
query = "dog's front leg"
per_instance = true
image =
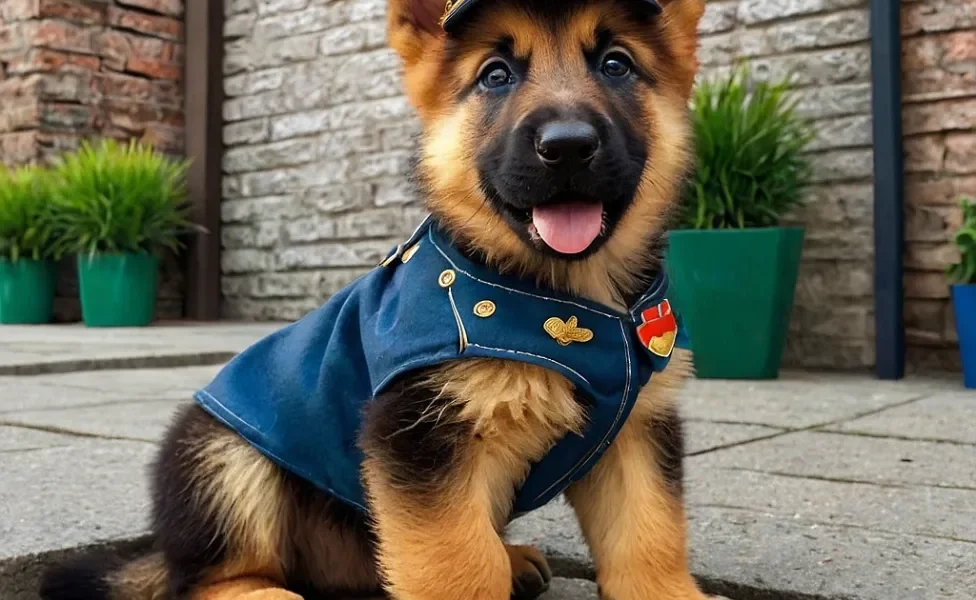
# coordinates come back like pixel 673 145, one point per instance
pixel 630 510
pixel 432 504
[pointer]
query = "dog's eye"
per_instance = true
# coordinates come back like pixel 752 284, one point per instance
pixel 496 74
pixel 616 64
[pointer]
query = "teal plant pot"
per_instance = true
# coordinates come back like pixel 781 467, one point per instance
pixel 118 290
pixel 27 290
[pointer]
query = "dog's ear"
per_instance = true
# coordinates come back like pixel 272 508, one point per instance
pixel 681 19
pixel 412 26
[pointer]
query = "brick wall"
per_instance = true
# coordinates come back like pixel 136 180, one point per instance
pixel 318 140
pixel 75 69
pixel 824 44
pixel 939 78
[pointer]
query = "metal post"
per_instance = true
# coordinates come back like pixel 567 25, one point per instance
pixel 889 189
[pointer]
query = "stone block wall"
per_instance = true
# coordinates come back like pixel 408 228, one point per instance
pixel 77 69
pixel 318 142
pixel 939 80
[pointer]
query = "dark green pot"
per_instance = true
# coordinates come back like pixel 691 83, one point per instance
pixel 734 290
pixel 118 290
pixel 27 291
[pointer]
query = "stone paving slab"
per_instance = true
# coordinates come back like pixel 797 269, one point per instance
pixel 703 436
pixel 72 493
pixel 840 457
pixel 798 400
pixel 887 509
pixel 99 388
pixel 61 348
pixel 946 416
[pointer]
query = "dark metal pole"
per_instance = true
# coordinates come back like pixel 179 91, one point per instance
pixel 204 147
pixel 889 189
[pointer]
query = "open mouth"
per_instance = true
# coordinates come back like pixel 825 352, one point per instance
pixel 568 223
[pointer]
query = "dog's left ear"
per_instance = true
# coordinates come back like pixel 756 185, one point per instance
pixel 412 26
pixel 682 17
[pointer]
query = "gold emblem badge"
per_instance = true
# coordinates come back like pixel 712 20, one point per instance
pixel 409 252
pixel 567 332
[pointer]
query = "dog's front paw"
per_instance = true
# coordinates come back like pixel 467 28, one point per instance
pixel 530 572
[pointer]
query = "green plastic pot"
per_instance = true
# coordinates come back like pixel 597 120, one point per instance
pixel 118 290
pixel 733 291
pixel 27 291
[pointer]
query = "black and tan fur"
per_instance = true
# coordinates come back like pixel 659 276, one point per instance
pixel 229 524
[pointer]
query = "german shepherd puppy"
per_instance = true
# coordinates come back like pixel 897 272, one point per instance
pixel 554 140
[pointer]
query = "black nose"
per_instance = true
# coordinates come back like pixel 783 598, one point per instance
pixel 567 143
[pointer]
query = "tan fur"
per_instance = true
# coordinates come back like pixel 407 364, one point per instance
pixel 634 525
pixel 245 588
pixel 145 578
pixel 244 491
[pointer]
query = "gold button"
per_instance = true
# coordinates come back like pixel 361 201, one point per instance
pixel 484 309
pixel 447 278
pixel 409 252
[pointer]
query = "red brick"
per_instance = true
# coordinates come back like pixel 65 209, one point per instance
pixel 937 15
pixel 925 321
pixel 961 153
pixel 118 47
pixel 58 35
pixel 938 190
pixel 164 137
pixel 154 69
pixel 13 39
pixel 125 87
pixel 22 113
pixel 926 285
pixel 18 148
pixel 167 93
pixel 930 256
pixel 164 7
pixel 924 153
pixel 935 83
pixel 931 223
pixel 135 117
pixel 946 115
pixel 52 61
pixel 72 10
pixel 71 117
pixel 18 10
pixel 164 27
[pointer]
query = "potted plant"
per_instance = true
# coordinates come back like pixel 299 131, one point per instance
pixel 117 206
pixel 732 265
pixel 962 275
pixel 28 271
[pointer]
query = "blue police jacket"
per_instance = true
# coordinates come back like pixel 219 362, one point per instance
pixel 298 396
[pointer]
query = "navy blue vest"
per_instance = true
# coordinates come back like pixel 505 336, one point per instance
pixel 298 395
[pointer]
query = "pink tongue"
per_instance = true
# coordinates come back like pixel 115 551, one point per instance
pixel 568 228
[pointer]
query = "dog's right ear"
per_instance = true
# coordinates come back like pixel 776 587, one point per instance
pixel 413 26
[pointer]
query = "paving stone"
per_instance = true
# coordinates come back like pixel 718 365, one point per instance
pixel 890 509
pixel 794 401
pixel 59 348
pixel 703 436
pixel 948 416
pixel 17 439
pixel 99 388
pixel 146 420
pixel 758 551
pixel 570 589
pixel 61 497
pixel 841 457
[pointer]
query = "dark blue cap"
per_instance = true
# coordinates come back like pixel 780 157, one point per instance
pixel 456 9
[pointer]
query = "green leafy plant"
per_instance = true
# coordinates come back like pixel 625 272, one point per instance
pixel 120 198
pixel 964 272
pixel 750 168
pixel 25 214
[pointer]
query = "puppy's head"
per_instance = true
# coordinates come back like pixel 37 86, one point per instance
pixel 554 133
